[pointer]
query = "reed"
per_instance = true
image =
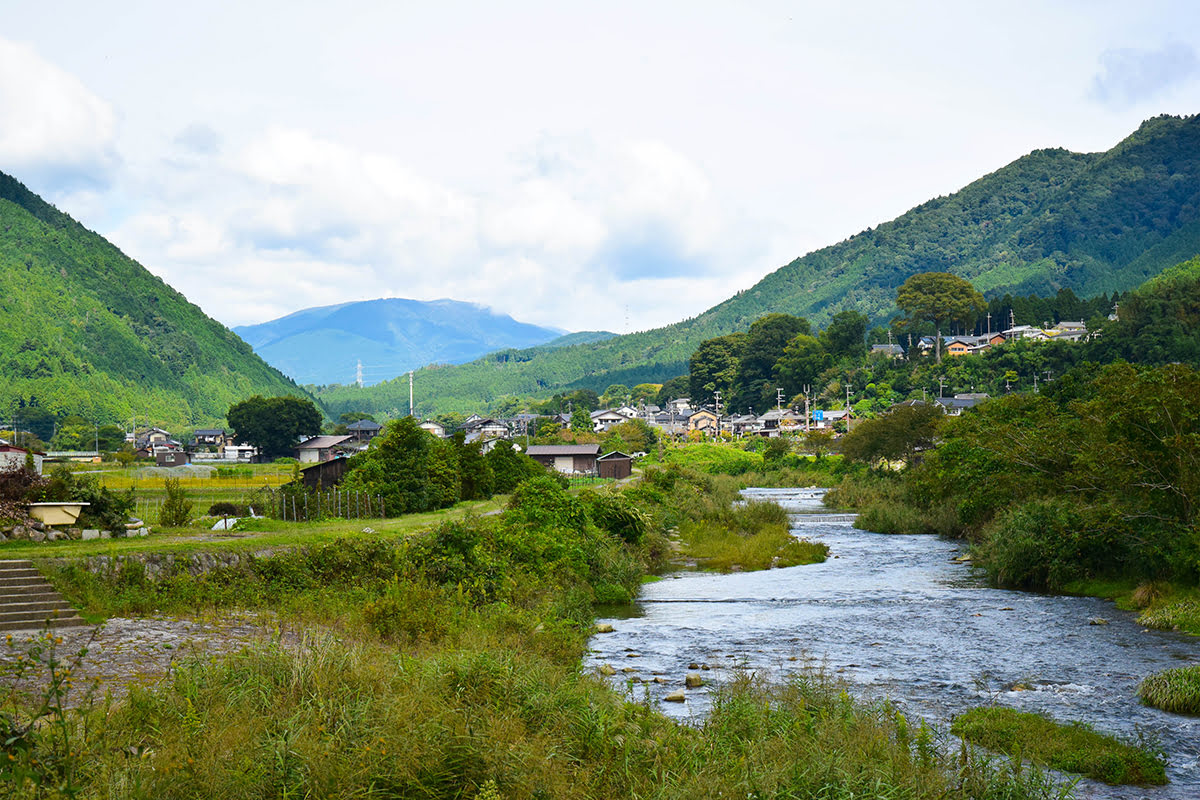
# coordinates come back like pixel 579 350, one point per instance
pixel 1175 690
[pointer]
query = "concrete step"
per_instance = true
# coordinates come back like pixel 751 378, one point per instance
pixel 42 593
pixel 15 563
pixel 29 587
pixel 21 580
pixel 73 621
pixel 54 604
pixel 29 602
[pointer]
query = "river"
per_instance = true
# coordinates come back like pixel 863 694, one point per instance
pixel 899 617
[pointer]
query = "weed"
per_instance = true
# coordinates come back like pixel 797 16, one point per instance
pixel 1175 690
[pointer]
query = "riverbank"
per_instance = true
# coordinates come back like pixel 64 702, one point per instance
pixel 447 665
pixel 903 619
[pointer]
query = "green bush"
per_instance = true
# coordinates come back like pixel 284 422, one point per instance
pixel 1074 747
pixel 1174 690
pixel 176 510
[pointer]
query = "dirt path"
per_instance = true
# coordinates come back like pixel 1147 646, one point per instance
pixel 123 652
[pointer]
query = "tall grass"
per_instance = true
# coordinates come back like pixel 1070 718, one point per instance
pixel 492 714
pixel 1175 690
pixel 1074 748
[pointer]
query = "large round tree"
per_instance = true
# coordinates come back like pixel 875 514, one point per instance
pixel 940 297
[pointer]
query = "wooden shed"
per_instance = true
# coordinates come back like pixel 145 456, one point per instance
pixel 614 465
pixel 566 458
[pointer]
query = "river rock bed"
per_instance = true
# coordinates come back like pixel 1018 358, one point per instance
pixel 123 652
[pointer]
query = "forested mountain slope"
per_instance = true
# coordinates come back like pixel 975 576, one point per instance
pixel 86 330
pixel 1091 222
pixel 388 336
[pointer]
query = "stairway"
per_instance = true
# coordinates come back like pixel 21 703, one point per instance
pixel 28 602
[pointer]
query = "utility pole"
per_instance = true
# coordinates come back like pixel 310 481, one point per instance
pixel 941 384
pixel 717 405
pixel 1035 388
pixel 847 408
pixel 989 333
pixel 779 398
pixel 410 393
pixel 807 412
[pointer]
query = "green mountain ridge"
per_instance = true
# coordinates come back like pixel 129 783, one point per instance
pixel 1091 222
pixel 86 330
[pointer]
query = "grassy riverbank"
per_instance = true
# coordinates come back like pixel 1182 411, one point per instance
pixel 1073 748
pixel 1174 690
pixel 446 664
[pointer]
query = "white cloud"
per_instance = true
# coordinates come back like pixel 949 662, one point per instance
pixel 1132 75
pixel 54 132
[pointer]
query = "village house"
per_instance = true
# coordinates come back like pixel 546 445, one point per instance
pixel 887 350
pixel 216 438
pixel 324 474
pixel 14 458
pixel 171 458
pixel 436 428
pixel 954 406
pixel 605 418
pixel 704 421
pixel 566 458
pixel 478 428
pixel 324 448
pixel 364 430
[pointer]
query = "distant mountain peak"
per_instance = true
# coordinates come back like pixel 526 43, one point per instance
pixel 389 336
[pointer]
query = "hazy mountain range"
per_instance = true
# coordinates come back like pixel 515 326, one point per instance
pixel 388 337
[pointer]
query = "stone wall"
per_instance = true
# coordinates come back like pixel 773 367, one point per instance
pixel 157 565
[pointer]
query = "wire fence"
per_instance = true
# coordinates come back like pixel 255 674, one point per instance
pixel 307 504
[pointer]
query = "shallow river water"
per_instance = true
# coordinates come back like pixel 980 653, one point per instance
pixel 897 617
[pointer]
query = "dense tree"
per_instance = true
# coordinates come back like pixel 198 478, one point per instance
pixel 510 467
pixel 897 435
pixel 765 340
pixel 273 424
pixel 713 368
pixel 645 392
pixel 581 420
pixel 803 359
pixel 675 388
pixel 940 297
pixel 846 335
pixel 616 394
pixel 407 468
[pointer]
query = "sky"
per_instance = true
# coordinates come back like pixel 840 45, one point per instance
pixel 615 166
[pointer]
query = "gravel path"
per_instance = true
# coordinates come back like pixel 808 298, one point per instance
pixel 123 652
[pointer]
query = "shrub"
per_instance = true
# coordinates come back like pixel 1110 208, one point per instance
pixel 1174 690
pixel 1074 748
pixel 223 508
pixel 176 509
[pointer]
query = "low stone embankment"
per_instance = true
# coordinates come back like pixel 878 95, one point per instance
pixel 32 530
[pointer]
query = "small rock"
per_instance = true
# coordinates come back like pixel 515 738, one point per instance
pixel 676 696
pixel 91 533
pixel 633 655
pixel 693 665
pixel 792 658
pixel 1007 608
pixel 693 680
pixel 1097 621
pixel 659 679
pixel 37 536
pixel 705 667
pixel 604 627
pixel 606 669
pixel 628 669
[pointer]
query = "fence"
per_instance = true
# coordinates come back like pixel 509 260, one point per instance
pixel 303 505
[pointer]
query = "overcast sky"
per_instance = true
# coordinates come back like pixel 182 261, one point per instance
pixel 605 165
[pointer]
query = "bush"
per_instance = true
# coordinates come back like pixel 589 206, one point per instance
pixel 1174 690
pixel 176 510
pixel 223 508
pixel 1074 748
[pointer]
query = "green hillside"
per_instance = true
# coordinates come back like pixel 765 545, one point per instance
pixel 86 330
pixel 1091 222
